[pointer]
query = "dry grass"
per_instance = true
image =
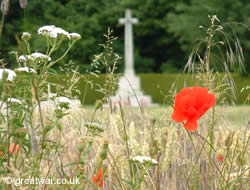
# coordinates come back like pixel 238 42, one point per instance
pixel 175 154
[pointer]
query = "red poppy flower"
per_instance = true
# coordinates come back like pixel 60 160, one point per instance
pixel 11 149
pixel 97 179
pixel 191 104
pixel 220 158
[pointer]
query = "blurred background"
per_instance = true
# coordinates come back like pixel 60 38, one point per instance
pixel 165 36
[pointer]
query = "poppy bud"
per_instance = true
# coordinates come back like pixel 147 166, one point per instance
pixel 229 140
pixel 105 145
pixel 98 104
pixel 80 147
pixel 21 132
pixel 103 154
pixel 47 128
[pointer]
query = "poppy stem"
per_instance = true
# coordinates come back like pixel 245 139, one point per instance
pixel 205 141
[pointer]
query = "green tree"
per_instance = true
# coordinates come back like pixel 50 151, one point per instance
pixel 185 20
pixel 164 37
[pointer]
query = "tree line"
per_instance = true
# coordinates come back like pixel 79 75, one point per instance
pixel 167 32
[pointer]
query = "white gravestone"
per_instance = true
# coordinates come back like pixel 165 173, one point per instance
pixel 129 91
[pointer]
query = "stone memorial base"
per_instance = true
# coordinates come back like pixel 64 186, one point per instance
pixel 130 94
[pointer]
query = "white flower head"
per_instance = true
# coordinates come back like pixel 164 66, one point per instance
pixel 144 159
pixel 40 56
pixel 23 58
pixel 14 100
pixel 11 74
pixel 63 102
pixel 26 36
pixel 45 30
pixel 34 57
pixel 53 32
pixel 25 69
pixel 61 33
pixel 74 36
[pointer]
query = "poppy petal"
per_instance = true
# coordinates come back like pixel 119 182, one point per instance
pixel 101 184
pixel 191 104
pixel 178 116
pixel 94 179
pixel 100 174
pixel 191 125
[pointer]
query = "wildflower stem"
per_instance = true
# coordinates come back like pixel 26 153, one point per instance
pixel 191 139
pixel 212 130
pixel 196 161
pixel 117 169
pixel 216 166
pixel 1 28
pixel 60 58
pixel 205 141
pixel 85 90
pixel 8 133
pixel 91 121
pixel 126 142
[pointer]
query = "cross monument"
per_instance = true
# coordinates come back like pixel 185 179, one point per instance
pixel 129 91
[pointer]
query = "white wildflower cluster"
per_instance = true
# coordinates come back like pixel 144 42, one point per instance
pixel 34 57
pixel 11 74
pixel 74 36
pixel 26 36
pixel 63 102
pixel 14 100
pixel 56 32
pixel 25 69
pixel 144 159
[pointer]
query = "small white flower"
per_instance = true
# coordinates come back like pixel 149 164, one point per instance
pixel 45 30
pixel 26 36
pixel 26 69
pixel 61 32
pixel 214 17
pixel 74 36
pixel 14 100
pixel 53 32
pixel 11 74
pixel 51 95
pixel 144 159
pixel 23 58
pixel 63 102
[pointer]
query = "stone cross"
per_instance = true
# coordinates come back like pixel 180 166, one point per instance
pixel 129 49
pixel 129 92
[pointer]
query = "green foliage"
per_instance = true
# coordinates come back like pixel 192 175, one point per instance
pixel 185 20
